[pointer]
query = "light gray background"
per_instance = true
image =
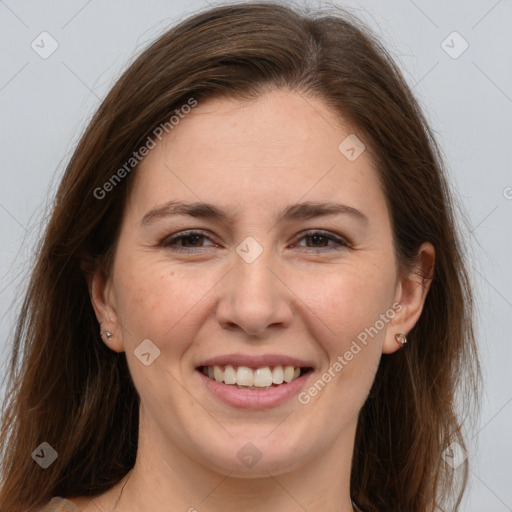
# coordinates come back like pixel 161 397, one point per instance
pixel 46 103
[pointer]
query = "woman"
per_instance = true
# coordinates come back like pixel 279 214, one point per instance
pixel 250 294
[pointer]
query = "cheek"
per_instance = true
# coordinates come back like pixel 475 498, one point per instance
pixel 344 305
pixel 158 304
pixel 159 301
pixel 345 322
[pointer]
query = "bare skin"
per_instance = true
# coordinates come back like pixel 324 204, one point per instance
pixel 304 297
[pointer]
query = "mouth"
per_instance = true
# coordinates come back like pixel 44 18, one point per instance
pixel 254 381
pixel 262 378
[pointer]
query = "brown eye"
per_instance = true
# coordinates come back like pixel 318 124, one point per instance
pixel 190 239
pixel 186 241
pixel 317 240
pixel 321 239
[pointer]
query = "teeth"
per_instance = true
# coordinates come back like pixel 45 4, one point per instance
pixel 288 373
pixel 218 374
pixel 263 377
pixel 277 375
pixel 229 374
pixel 244 376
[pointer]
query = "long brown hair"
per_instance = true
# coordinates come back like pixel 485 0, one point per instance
pixel 68 389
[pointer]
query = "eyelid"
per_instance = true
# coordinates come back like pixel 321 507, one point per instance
pixel 342 243
pixel 166 242
pixel 340 240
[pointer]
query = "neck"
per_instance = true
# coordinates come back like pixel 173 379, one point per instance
pixel 171 477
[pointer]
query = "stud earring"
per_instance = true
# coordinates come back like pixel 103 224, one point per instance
pixel 108 334
pixel 401 338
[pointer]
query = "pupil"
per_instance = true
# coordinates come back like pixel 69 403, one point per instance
pixel 316 238
pixel 194 238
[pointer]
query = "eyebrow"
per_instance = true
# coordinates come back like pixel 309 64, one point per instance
pixel 299 211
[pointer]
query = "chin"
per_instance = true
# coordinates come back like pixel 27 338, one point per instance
pixel 255 456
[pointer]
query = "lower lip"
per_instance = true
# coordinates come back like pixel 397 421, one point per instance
pixel 253 399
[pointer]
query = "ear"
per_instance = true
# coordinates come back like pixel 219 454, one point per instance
pixel 104 305
pixel 411 293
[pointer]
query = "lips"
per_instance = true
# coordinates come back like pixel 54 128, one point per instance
pixel 258 361
pixel 254 382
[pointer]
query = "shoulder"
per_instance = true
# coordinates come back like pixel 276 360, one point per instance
pixel 59 504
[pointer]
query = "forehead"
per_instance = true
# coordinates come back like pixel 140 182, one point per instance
pixel 280 147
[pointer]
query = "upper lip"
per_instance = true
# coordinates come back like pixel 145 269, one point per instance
pixel 258 361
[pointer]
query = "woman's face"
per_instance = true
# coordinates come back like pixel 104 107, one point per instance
pixel 268 280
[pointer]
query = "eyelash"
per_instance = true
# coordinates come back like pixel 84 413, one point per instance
pixel 342 244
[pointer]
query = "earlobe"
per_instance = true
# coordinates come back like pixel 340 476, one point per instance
pixel 103 303
pixel 411 293
pixel 401 338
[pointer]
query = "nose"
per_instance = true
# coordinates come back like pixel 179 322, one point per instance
pixel 253 298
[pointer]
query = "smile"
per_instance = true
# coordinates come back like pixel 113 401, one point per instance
pixel 262 378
